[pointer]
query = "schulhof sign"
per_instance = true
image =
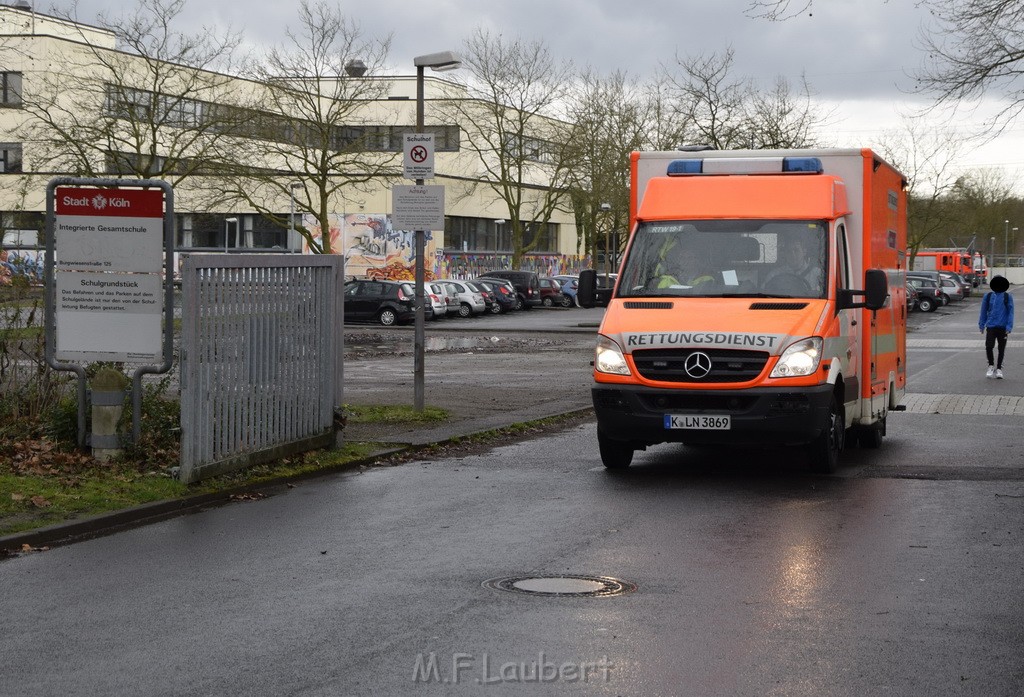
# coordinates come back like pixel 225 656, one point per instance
pixel 108 255
pixel 419 156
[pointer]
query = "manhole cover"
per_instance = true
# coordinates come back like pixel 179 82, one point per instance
pixel 564 584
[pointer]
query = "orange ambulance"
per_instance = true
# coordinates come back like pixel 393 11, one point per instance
pixel 761 299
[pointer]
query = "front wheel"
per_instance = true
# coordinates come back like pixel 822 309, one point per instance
pixel 824 450
pixel 615 454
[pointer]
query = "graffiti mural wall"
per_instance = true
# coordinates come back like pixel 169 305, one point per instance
pixel 374 249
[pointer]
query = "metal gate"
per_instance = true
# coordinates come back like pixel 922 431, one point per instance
pixel 261 358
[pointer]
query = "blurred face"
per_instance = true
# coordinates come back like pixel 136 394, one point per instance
pixel 793 254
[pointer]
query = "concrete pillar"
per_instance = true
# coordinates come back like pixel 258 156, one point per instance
pixel 108 392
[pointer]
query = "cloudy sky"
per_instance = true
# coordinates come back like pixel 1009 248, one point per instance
pixel 859 56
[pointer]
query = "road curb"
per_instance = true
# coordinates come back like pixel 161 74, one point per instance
pixel 70 532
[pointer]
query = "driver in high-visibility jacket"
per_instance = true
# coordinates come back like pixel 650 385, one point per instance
pixel 682 267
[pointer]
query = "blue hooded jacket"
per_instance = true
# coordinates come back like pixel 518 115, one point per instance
pixel 997 306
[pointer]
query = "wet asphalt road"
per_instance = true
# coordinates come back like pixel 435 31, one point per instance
pixel 900 575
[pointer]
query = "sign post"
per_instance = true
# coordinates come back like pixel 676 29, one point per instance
pixel 108 241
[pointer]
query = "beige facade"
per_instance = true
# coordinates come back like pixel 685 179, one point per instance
pixel 42 55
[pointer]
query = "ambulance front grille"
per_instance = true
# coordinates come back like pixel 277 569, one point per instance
pixel 669 365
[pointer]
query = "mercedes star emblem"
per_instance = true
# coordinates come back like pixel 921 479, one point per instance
pixel 697 365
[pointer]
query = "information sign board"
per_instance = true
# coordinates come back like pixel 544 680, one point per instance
pixel 108 257
pixel 418 207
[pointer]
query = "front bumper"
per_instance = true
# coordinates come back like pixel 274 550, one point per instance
pixel 774 416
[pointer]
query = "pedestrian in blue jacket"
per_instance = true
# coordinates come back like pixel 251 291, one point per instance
pixel 996 323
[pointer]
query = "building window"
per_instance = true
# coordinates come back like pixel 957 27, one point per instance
pixel 143 105
pixel 10 157
pixel 10 89
pixel 392 138
pixel 486 235
pixel 268 235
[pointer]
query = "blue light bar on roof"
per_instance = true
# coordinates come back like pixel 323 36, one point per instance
pixel 677 167
pixel 807 165
pixel 745 165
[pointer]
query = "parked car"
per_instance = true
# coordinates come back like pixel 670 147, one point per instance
pixel 912 297
pixel 434 306
pixel 526 283
pixel 386 302
pixel 953 291
pixel 570 284
pixel 487 293
pixel 502 291
pixel 929 295
pixel 551 292
pixel 934 276
pixel 966 285
pixel 471 302
pixel 447 294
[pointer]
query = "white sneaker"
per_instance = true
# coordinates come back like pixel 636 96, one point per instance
pixel 999 374
pixel 991 372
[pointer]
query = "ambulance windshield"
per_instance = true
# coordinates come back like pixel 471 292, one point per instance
pixel 717 258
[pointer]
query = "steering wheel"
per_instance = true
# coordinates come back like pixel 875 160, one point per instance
pixel 787 284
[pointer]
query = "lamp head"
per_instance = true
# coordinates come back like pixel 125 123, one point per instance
pixel 444 60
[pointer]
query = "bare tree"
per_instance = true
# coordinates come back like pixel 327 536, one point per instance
pixel 778 118
pixel 308 124
pixel 727 112
pixel 778 10
pixel 709 99
pixel 515 131
pixel 983 200
pixel 144 109
pixel 609 121
pixel 928 158
pixel 974 48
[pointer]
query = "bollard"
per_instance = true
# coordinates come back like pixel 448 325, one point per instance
pixel 108 391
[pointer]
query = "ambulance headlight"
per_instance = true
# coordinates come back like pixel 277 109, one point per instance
pixel 801 358
pixel 608 357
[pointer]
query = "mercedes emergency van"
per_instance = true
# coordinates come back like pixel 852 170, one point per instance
pixel 792 331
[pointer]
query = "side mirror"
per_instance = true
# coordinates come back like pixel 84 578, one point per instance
pixel 586 291
pixel 876 291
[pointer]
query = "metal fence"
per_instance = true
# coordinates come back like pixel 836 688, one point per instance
pixel 261 358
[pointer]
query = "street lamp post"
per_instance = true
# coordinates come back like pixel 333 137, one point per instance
pixel 227 224
pixel 291 211
pixel 445 60
pixel 605 208
pixel 1006 253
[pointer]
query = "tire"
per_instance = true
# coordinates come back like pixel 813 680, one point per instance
pixel 548 301
pixel 519 302
pixel 566 301
pixel 825 449
pixel 387 317
pixel 926 305
pixel 465 310
pixel 945 299
pixel 615 454
pixel 871 436
pixel 496 308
